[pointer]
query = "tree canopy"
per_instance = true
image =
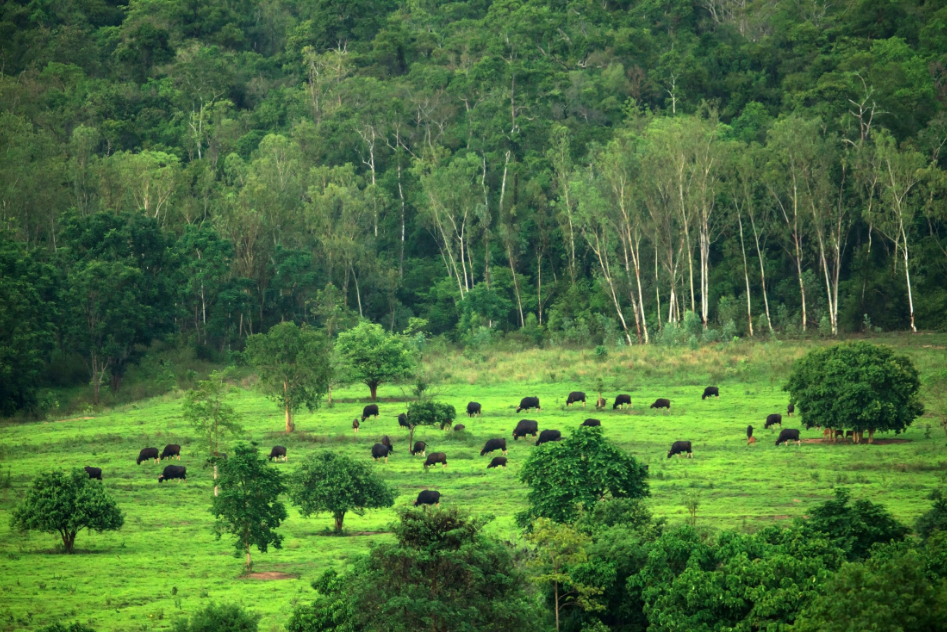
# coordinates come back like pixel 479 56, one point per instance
pixel 582 469
pixel 294 366
pixel 333 483
pixel 248 507
pixel 66 503
pixel 375 356
pixel 857 386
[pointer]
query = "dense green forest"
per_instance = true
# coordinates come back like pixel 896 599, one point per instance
pixel 574 172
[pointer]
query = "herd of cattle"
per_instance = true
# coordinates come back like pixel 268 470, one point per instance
pixel 524 428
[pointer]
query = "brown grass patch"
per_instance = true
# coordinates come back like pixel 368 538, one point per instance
pixel 271 576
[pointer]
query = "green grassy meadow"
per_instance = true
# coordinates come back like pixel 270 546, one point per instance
pixel 165 562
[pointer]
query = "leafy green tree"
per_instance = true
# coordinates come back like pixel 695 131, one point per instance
pixel 855 385
pixel 66 503
pixel 248 507
pixel 26 326
pixel 219 618
pixel 293 365
pixel 212 418
pixel 583 468
pixel 935 519
pixel 374 355
pixel 902 598
pixel 329 482
pixel 856 526
pixel 734 582
pixel 559 547
pixel 441 574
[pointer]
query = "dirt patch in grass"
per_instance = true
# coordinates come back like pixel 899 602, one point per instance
pixel 271 576
pixel 875 442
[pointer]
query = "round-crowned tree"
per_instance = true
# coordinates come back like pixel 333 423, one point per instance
pixel 375 356
pixel 582 469
pixel 856 386
pixel 337 484
pixel 66 503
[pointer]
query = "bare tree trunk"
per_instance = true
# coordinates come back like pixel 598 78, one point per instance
pixel 759 255
pixel 289 417
pixel 907 276
pixel 746 277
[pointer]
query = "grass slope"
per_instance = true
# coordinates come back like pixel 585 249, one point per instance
pixel 166 562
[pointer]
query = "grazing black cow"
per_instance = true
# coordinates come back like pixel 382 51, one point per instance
pixel 773 420
pixel 788 435
pixel 380 451
pixel 525 427
pixel 661 402
pixel 493 444
pixel 278 452
pixel 591 422
pixel 173 471
pixel 621 401
pixel 473 408
pixel 403 420
pixel 710 391
pixel 387 441
pixel 171 450
pixel 498 461
pixel 147 454
pixel 791 409
pixel 459 427
pixel 681 447
pixel 575 396
pixel 94 472
pixel 355 425
pixel 428 497
pixel 369 411
pixel 548 435
pixel 527 403
pixel 434 458
pixel 419 448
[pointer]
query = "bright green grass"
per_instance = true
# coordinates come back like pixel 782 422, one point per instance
pixel 127 580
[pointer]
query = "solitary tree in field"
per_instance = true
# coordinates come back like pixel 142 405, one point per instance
pixel 583 468
pixel 856 386
pixel 293 365
pixel 248 507
pixel 334 483
pixel 424 411
pixel 66 503
pixel 210 415
pixel 375 356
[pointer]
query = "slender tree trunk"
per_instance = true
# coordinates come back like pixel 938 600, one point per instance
pixel 555 587
pixel 373 389
pixel 746 277
pixel 759 256
pixel 539 287
pixel 907 276
pixel 247 543
pixel 289 417
pixel 401 251
pixel 516 284
pixel 339 517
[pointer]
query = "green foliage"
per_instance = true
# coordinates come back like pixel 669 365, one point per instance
pixel 430 413
pixel 329 482
pixel 854 527
pixel 219 618
pixel 579 470
pixel 66 503
pixel 248 507
pixel 902 598
pixel 26 326
pixel 559 547
pixel 935 519
pixel 855 386
pixel 374 355
pixel 293 366
pixel 741 582
pixel 206 409
pixel 62 627
pixel 474 584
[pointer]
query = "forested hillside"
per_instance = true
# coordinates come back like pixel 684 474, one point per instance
pixel 579 171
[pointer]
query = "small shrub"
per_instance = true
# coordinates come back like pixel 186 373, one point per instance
pixel 223 618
